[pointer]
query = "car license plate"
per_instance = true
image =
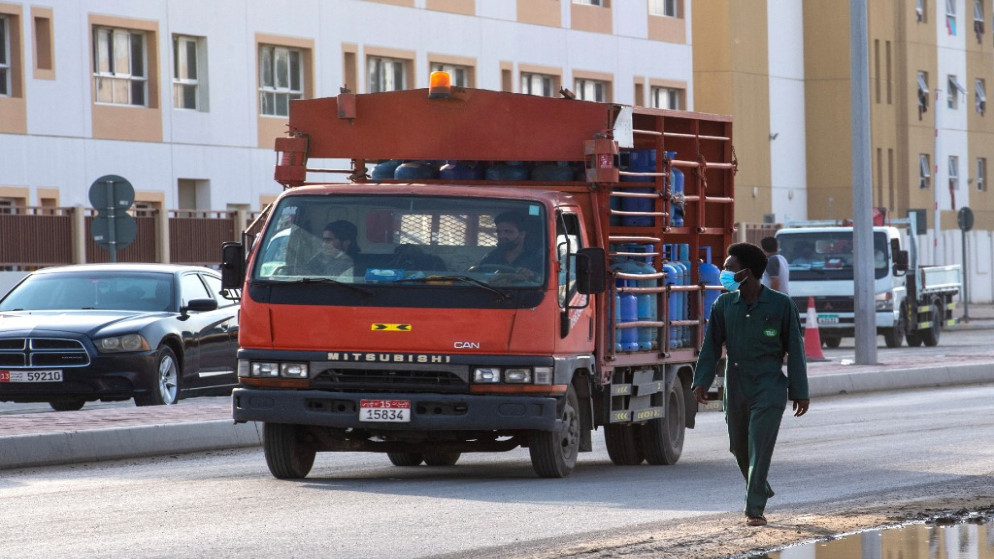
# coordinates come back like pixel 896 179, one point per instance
pixel 31 376
pixel 828 319
pixel 393 411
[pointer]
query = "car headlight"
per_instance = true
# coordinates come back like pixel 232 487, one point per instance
pixel 118 344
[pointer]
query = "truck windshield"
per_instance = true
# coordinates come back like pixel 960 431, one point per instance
pixel 402 240
pixel 829 255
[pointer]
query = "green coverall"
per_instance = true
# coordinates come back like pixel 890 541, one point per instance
pixel 756 391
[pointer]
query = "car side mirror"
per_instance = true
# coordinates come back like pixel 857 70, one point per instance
pixel 900 262
pixel 199 305
pixel 590 271
pixel 232 265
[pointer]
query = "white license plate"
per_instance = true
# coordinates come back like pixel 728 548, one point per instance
pixel 391 411
pixel 31 376
pixel 828 319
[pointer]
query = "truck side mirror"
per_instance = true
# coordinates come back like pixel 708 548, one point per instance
pixel 232 265
pixel 900 262
pixel 590 271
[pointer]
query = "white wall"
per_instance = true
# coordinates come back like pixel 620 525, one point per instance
pixel 788 163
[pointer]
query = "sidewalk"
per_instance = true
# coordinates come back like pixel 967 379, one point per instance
pixel 45 438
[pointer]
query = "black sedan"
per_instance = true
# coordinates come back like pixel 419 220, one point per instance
pixel 152 332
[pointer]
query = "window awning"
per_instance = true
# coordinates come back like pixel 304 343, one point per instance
pixel 978 87
pixel 978 11
pixel 923 166
pixel 922 86
pixel 953 167
pixel 954 85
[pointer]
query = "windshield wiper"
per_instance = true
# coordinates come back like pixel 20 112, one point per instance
pixel 312 279
pixel 465 279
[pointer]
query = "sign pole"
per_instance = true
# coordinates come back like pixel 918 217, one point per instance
pixel 111 216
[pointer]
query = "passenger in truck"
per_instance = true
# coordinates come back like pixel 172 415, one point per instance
pixel 515 252
pixel 339 249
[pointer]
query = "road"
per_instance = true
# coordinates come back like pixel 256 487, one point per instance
pixel 877 447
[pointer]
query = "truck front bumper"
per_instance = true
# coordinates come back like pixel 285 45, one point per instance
pixel 429 412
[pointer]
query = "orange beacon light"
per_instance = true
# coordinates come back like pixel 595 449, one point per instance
pixel 439 85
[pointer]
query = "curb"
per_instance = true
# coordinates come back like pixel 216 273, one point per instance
pixel 892 379
pixel 48 449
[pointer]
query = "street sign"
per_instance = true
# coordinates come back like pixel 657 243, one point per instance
pixel 111 192
pixel 964 218
pixel 124 230
pixel 113 228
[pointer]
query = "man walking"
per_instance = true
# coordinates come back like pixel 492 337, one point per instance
pixel 777 274
pixel 757 326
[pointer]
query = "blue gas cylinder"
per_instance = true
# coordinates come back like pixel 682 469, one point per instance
pixel 461 170
pixel 626 339
pixel 416 170
pixel 510 171
pixel 629 313
pixel 709 274
pixel 648 336
pixel 676 187
pixel 678 305
pixel 640 161
pixel 553 172
pixel 385 169
pixel 683 253
pixel 672 302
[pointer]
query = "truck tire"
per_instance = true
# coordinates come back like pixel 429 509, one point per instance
pixel 894 336
pixel 287 454
pixel 622 441
pixel 931 334
pixel 442 458
pixel 831 341
pixel 405 459
pixel 553 453
pixel 662 439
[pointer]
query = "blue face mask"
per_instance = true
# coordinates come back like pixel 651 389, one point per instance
pixel 727 280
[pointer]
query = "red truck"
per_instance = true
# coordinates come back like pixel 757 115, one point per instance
pixel 392 313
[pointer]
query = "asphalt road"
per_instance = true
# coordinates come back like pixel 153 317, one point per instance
pixel 225 504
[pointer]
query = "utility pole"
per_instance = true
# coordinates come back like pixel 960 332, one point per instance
pixel 862 195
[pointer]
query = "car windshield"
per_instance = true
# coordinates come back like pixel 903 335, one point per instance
pixel 403 241
pixel 107 290
pixel 829 255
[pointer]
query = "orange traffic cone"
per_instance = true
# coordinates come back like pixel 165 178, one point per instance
pixel 812 339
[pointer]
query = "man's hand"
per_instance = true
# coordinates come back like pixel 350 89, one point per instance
pixel 801 407
pixel 701 393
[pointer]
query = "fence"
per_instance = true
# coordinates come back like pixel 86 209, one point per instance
pixel 34 237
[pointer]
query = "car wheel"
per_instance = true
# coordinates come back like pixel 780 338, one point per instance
pixel 553 453
pixel 831 342
pixel 165 385
pixel 67 405
pixel 405 459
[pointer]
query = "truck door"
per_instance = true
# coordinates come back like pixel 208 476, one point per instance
pixel 575 325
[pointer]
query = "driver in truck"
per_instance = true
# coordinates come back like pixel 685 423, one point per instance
pixel 514 250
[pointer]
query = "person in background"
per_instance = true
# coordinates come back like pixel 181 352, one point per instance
pixel 339 247
pixel 757 327
pixel 777 274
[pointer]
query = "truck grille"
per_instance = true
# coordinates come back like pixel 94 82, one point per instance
pixel 826 304
pixel 389 381
pixel 42 352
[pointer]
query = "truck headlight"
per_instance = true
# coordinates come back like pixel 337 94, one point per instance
pixel 518 376
pixel 486 375
pixel 118 344
pixel 264 369
pixel 293 370
pixel 884 301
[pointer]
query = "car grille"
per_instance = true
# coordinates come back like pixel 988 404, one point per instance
pixel 42 352
pixel 389 381
pixel 825 304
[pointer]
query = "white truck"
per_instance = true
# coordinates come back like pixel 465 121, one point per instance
pixel 913 302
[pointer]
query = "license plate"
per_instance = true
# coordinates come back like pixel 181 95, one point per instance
pixel 828 319
pixel 31 376
pixel 391 411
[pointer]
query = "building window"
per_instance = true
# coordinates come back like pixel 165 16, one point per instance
pixel 666 98
pixel 924 171
pixel 922 93
pixel 982 174
pixel 955 90
pixel 951 17
pixel 460 74
pixel 953 172
pixel 666 8
pixel 387 74
pixel 591 2
pixel 537 84
pixel 43 43
pixel 978 20
pixel 980 95
pixel 4 57
pixel 119 63
pixel 920 11
pixel 187 74
pixel 281 79
pixel 590 90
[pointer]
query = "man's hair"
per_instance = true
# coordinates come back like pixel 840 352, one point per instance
pixel 769 244
pixel 750 256
pixel 513 217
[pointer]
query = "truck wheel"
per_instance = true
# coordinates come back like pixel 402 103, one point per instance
pixel 914 339
pixel 553 453
pixel 287 454
pixel 831 341
pixel 662 439
pixel 894 336
pixel 931 334
pixel 442 458
pixel 405 459
pixel 623 446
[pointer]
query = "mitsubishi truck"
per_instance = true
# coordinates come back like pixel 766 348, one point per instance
pixel 912 301
pixel 424 346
